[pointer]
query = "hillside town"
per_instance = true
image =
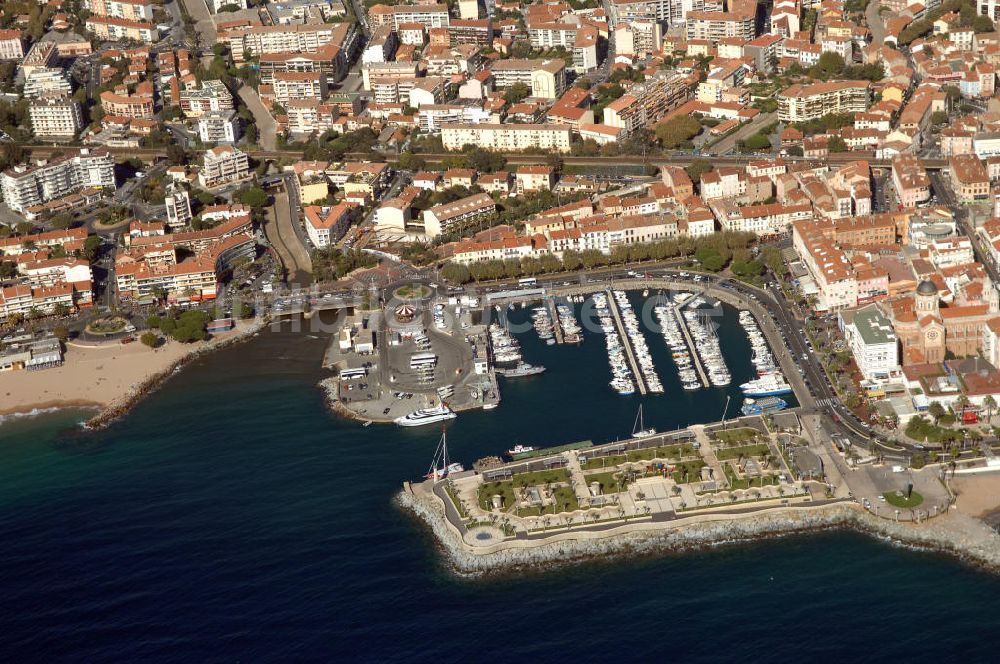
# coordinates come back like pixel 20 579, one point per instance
pixel 167 155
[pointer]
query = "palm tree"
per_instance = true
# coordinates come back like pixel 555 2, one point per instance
pixel 990 404
pixel 963 403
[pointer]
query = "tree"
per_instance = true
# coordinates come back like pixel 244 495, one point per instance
pixel 516 93
pixel 90 247
pixel 61 332
pixel 829 65
pixel 251 133
pixel 62 221
pixel 674 132
pixel 990 404
pixel 939 118
pixel 455 273
pixel 153 322
pixel 697 168
pixel 836 144
pixel 150 339
pixel 176 155
pixel 254 197
pixel 936 410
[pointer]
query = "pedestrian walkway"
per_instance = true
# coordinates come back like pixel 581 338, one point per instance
pixel 578 480
pixel 708 454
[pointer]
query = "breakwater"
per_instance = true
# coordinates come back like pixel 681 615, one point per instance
pixel 966 538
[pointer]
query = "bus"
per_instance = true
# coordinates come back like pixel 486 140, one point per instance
pixel 527 282
pixel 350 374
pixel 422 359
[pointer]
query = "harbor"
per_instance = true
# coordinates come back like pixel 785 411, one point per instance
pixel 427 359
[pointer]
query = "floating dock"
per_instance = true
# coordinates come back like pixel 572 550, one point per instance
pixel 640 379
pixel 550 304
pixel 695 356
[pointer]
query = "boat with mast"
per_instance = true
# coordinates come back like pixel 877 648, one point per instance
pixel 440 466
pixel 639 429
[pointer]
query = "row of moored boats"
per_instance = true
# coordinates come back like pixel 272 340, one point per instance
pixel 762 395
pixel 622 380
pixel 639 348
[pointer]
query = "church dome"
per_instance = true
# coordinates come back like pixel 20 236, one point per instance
pixel 927 287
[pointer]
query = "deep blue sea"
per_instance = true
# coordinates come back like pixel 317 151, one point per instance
pixel 231 518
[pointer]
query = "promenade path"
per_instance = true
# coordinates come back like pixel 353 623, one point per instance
pixel 708 454
pixel 578 481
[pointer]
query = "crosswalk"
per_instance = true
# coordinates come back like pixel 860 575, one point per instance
pixel 826 402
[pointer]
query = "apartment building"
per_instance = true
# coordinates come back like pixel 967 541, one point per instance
pixel 11 45
pixel 545 78
pixel 310 116
pixel 799 103
pixel 55 116
pixel 291 85
pixel 328 59
pixel 969 178
pixel 449 216
pixel 326 224
pixel 130 10
pixel 178 204
pixel 638 38
pixel 219 127
pixel 126 105
pixel 108 28
pixel 42 54
pixel 24 186
pixel 261 40
pixel 873 342
pixel 910 179
pixel 828 265
pixel 470 31
pixel 715 26
pixel 47 80
pixel 430 16
pixel 645 104
pixel 212 96
pixel 223 164
pixel 507 137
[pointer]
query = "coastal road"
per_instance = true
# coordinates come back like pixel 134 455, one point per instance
pixel 280 232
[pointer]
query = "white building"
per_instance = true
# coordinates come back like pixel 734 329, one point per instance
pixel 219 127
pixel 24 185
pixel 55 116
pixel 219 4
pixel 223 164
pixel 873 342
pixel 178 204
pixel 326 224
pixel 46 80
pixel 507 137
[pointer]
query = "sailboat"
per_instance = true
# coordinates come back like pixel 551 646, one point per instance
pixel 440 468
pixel 639 430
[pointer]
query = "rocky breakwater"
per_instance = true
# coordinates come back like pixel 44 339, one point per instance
pixel 965 537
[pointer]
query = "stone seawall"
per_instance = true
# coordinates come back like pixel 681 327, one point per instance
pixel 964 537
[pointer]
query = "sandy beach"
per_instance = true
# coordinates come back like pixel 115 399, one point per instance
pixel 978 495
pixel 97 376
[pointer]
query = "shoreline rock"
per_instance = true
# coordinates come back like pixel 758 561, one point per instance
pixel 965 538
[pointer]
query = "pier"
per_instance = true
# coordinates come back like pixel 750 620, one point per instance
pixel 550 304
pixel 695 356
pixel 640 379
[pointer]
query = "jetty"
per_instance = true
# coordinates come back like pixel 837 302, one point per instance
pixel 695 356
pixel 550 304
pixel 640 379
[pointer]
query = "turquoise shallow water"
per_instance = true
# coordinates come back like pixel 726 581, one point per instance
pixel 230 517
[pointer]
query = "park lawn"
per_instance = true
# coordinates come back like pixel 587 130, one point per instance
pixel 737 482
pixel 539 477
pixel 565 499
pixel 758 451
pixel 450 490
pixel 903 502
pixel 609 483
pixel 730 436
pixel 489 489
pixel 603 462
pixel 662 452
pixel 693 469
pixel 919 428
